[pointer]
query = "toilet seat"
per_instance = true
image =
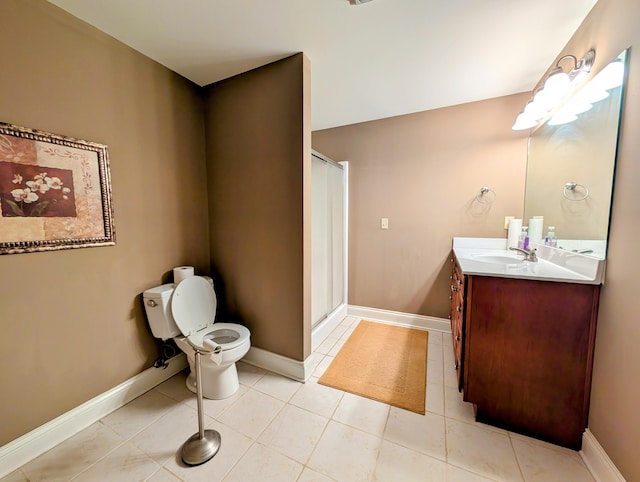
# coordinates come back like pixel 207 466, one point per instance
pixel 193 306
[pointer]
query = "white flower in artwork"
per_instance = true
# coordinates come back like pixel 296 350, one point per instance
pixel 24 195
pixel 38 185
pixel 53 182
pixel 17 179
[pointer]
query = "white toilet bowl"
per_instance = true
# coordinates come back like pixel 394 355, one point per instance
pixel 186 313
pixel 218 381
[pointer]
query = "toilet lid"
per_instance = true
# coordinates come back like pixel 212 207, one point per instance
pixel 193 305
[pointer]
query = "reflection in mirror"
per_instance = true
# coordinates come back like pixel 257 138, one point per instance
pixel 571 161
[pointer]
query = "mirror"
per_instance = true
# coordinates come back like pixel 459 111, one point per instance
pixel 571 160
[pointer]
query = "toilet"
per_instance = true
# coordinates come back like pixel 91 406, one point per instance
pixel 186 312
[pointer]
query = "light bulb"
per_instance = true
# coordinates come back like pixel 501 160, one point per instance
pixel 523 122
pixel 534 111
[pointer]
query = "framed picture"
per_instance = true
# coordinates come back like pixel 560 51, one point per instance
pixel 55 192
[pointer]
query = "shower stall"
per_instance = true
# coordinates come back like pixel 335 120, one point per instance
pixel 329 195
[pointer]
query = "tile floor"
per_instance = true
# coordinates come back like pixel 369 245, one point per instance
pixel 276 429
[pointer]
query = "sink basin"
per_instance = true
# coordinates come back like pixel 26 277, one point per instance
pixel 497 259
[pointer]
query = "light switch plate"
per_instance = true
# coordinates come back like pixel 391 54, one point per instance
pixel 384 223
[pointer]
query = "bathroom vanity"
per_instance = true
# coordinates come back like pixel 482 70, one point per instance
pixel 523 337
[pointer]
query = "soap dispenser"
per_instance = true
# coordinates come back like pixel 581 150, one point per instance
pixel 551 239
pixel 523 240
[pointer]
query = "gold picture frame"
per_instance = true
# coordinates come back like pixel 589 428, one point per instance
pixel 55 192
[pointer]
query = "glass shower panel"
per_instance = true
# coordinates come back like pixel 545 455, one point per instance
pixel 336 235
pixel 319 245
pixel 327 238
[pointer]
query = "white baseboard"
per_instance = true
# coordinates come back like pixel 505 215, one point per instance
pixel 23 449
pixel 273 362
pixel 326 326
pixel 597 460
pixel 401 319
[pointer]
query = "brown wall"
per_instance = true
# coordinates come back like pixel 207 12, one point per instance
pixel 612 26
pixel 72 321
pixel 258 159
pixel 423 172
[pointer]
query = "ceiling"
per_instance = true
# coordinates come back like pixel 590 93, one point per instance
pixel 370 61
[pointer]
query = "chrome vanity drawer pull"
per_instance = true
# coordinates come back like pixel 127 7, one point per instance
pixel 458 308
pixel 450 297
pixel 457 337
pixel 455 365
pixel 453 288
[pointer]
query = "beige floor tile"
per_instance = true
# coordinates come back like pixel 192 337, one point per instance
pixel 396 463
pixel 277 386
pixel 249 374
pixel 317 398
pixel 481 451
pixel 362 413
pixel 337 347
pixel 347 333
pixel 232 447
pixel 213 408
pixel 434 353
pixel 312 362
pixel 163 475
pixel 252 413
pixel 326 345
pixel 455 407
pixel 125 464
pixel 420 433
pixel 74 455
pixel 164 438
pixel 540 463
pixel 456 474
pixel 349 321
pixel 435 398
pixel 436 337
pixel 15 476
pixel 345 454
pixel 322 366
pixel 435 373
pixel 266 465
pixel 139 413
pixel 294 433
pixel 176 387
pixel 309 475
pixel 338 331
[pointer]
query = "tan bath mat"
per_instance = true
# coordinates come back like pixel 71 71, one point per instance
pixel 382 362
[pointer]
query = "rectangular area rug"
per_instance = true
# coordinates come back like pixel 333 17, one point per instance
pixel 382 362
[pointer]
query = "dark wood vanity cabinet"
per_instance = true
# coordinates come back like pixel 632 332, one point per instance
pixel 527 353
pixel 457 317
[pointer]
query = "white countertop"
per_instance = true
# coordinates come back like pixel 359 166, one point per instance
pixel 490 257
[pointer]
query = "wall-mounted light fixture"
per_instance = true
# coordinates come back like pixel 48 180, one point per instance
pixel 554 89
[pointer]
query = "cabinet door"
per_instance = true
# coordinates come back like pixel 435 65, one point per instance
pixel 528 355
pixel 457 319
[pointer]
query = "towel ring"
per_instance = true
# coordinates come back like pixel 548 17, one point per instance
pixel 480 196
pixel 571 186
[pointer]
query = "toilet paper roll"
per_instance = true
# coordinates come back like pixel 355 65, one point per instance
pixel 535 230
pixel 182 272
pixel 515 228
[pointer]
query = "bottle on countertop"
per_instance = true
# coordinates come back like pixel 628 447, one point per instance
pixel 523 240
pixel 551 239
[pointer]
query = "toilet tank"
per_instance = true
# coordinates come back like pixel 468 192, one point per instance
pixel 157 304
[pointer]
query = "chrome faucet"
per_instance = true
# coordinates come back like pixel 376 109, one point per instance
pixel 529 255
